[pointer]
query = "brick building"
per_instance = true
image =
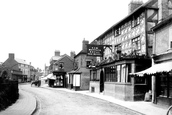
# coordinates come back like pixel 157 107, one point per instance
pixel 80 77
pixel 19 69
pixel 59 66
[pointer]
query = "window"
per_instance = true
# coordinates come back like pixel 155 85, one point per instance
pixel 118 48
pixel 163 86
pixel 88 63
pixel 136 44
pixel 61 65
pixel 135 22
pixel 117 31
pixel 164 82
pixel 119 73
pixel 76 65
pixel 170 44
pixel 94 76
pixel 110 74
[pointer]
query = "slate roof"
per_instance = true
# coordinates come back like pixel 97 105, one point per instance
pixel 21 61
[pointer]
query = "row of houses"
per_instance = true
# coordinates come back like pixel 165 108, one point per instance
pixel 18 70
pixel 136 57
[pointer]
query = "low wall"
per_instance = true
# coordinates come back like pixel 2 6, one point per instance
pixel 122 91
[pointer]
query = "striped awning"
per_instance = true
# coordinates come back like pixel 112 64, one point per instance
pixel 161 67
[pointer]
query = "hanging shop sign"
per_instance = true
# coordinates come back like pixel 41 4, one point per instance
pixel 94 50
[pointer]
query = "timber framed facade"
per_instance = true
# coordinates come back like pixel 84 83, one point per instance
pixel 131 41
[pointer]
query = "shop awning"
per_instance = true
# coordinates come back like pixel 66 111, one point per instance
pixel 51 76
pixel 162 67
pixel 43 77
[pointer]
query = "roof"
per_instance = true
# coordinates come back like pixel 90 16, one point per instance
pixel 75 71
pixel 21 61
pixel 55 57
pixel 65 55
pixel 145 5
pixel 162 23
pixel 81 52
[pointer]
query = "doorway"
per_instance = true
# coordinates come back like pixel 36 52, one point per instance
pixel 101 81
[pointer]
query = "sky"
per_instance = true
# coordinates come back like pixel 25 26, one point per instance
pixel 34 29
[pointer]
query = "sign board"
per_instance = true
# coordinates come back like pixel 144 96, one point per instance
pixel 94 50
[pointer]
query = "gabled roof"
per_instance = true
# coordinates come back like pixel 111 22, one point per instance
pixel 81 52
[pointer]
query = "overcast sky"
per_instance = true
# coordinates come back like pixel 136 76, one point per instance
pixel 34 29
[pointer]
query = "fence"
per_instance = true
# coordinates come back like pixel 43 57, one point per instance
pixel 9 93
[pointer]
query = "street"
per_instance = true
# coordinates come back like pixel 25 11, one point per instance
pixel 53 101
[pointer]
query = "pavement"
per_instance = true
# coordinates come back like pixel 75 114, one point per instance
pixel 26 104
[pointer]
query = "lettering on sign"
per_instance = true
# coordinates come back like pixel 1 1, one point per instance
pixel 94 50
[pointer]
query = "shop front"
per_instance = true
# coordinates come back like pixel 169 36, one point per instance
pixel 116 79
pixel 61 80
pixel 161 82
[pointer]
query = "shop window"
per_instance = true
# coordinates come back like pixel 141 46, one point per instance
pixel 123 73
pixel 170 86
pixel 119 73
pixel 110 74
pixel 129 71
pixel 139 80
pixel 163 86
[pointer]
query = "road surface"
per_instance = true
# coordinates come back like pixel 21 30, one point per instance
pixel 53 101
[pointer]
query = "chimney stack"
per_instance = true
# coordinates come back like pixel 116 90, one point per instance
pixel 11 55
pixel 57 53
pixel 72 54
pixel 84 46
pixel 163 6
pixel 134 4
